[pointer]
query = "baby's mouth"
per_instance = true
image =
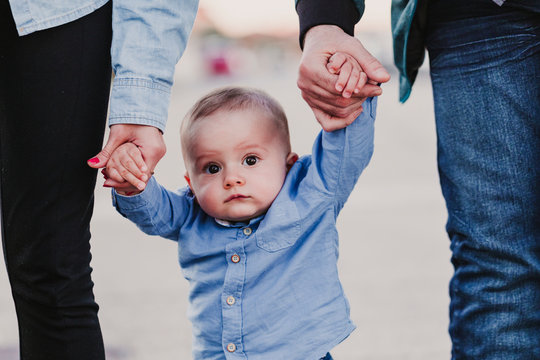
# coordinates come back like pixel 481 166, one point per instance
pixel 236 197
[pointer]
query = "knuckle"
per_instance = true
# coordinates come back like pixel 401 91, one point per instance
pixel 307 98
pixel 302 85
pixel 342 113
pixel 342 103
pixel 160 151
pixel 134 151
pixel 106 152
pixel 128 163
pixel 303 69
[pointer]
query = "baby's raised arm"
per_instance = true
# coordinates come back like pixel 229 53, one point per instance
pixel 126 170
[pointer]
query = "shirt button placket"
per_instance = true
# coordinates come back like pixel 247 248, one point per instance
pixel 233 287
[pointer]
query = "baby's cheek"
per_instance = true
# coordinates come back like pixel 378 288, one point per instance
pixel 208 207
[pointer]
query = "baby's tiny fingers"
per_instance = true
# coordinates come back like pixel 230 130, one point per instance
pixel 343 76
pixel 114 174
pixel 361 82
pixel 335 62
pixel 352 83
pixel 136 155
pixel 132 179
pixel 129 164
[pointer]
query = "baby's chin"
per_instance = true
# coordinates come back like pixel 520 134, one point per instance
pixel 234 218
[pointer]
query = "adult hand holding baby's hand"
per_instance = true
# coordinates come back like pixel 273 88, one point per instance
pixel 126 164
pixel 147 141
pixel 318 84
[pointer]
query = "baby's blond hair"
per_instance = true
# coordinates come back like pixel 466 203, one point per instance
pixel 230 99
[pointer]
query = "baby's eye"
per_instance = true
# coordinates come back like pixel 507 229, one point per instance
pixel 212 168
pixel 250 160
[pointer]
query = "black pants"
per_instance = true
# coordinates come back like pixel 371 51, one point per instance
pixel 54 88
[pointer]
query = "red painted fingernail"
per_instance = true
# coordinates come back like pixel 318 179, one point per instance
pixel 93 160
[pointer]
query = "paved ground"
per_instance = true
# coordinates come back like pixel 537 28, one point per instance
pixel 394 260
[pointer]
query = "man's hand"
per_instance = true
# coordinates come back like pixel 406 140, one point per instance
pixel 148 139
pixel 317 84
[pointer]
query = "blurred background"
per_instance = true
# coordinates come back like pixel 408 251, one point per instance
pixel 394 254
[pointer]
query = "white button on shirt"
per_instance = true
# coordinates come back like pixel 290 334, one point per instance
pixel 247 231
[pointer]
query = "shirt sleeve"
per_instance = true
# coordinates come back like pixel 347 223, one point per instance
pixel 342 13
pixel 149 36
pixel 339 157
pixel 156 210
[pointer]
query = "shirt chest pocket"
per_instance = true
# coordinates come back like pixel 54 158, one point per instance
pixel 280 229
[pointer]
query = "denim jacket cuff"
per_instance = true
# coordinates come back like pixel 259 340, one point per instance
pixel 139 101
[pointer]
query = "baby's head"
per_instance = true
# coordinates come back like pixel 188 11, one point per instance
pixel 237 151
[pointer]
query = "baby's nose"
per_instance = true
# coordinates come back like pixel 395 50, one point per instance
pixel 233 180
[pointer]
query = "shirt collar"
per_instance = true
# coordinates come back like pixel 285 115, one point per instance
pixel 227 223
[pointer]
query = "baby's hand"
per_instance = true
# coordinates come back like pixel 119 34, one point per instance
pixel 126 170
pixel 351 77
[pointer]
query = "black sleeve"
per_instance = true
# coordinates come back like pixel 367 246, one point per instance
pixel 342 13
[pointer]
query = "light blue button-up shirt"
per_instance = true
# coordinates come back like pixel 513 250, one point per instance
pixel 267 289
pixel 149 36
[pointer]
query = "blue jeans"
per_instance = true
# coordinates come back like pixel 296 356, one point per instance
pixel 486 84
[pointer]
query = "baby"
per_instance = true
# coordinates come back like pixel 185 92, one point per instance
pixel 256 226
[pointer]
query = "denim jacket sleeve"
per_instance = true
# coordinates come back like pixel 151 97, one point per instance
pixel 149 37
pixel 156 210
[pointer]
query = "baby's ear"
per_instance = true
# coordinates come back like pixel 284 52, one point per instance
pixel 188 180
pixel 291 159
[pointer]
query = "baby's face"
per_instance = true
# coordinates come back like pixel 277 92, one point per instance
pixel 237 163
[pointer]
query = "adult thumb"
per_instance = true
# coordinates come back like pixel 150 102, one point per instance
pixel 371 66
pixel 101 159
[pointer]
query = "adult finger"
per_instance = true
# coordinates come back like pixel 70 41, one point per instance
pixel 371 66
pixel 339 107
